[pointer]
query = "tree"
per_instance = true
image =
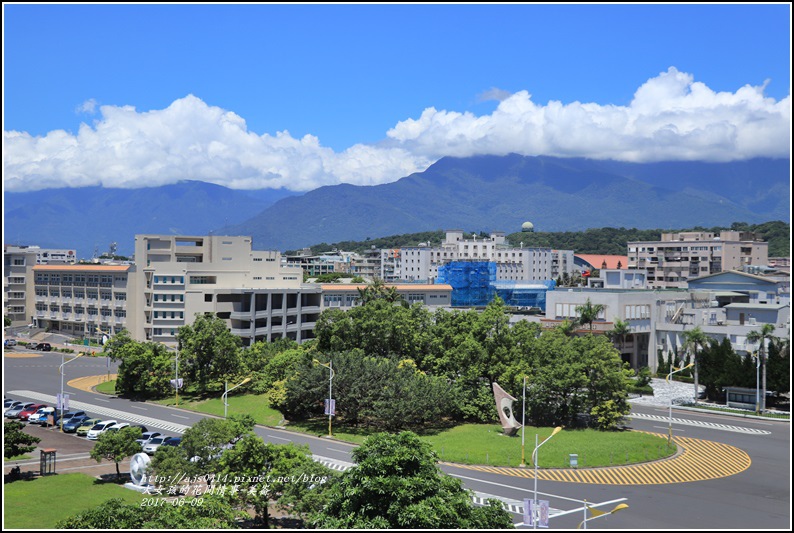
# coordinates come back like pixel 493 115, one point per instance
pixel 396 483
pixel 6 321
pixel 620 331
pixel 116 446
pixel 588 313
pixel 694 341
pixel 146 368
pixel 17 442
pixel 213 513
pixel 779 364
pixel 762 337
pixel 209 350
pixel 206 440
pixel 280 473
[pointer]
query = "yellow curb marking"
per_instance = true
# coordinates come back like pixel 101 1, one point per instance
pixel 19 355
pixel 88 382
pixel 700 460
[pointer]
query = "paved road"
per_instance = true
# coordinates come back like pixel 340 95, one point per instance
pixel 733 473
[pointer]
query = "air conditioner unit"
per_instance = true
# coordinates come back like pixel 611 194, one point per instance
pixel 751 321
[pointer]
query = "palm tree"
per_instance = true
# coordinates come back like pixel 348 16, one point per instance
pixel 619 332
pixel 762 337
pixel 568 326
pixel 694 341
pixel 588 312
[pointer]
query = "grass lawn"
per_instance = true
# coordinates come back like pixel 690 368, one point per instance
pixel 738 411
pixel 485 444
pixel 108 387
pixel 40 503
pixel 253 404
pixel 19 457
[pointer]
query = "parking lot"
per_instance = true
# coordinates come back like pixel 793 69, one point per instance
pixel 71 455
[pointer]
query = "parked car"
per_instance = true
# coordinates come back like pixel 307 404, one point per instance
pixel 24 415
pixel 32 345
pixel 86 426
pixel 8 343
pixel 172 441
pixel 141 426
pixel 145 437
pixel 151 447
pixel 68 416
pixel 98 429
pixel 40 416
pixel 44 347
pixel 9 403
pixel 73 423
pixel 14 411
pixel 117 426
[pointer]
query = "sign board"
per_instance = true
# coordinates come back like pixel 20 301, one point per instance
pixel 177 383
pixel 104 339
pixel 529 512
pixel 543 520
pixel 65 402
pixel 330 407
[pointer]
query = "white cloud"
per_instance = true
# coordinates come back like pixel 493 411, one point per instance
pixel 494 94
pixel 671 117
pixel 89 107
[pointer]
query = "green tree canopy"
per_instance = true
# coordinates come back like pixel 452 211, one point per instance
pixel 116 446
pixel 17 442
pixel 209 351
pixel 397 484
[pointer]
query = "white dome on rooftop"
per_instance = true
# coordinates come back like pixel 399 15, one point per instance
pixel 527 226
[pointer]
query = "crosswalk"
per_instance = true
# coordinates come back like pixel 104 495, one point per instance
pixel 710 425
pixel 106 412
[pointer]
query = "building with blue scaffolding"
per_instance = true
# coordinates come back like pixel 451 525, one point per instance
pixel 474 284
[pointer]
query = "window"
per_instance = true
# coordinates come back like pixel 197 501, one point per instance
pixel 202 280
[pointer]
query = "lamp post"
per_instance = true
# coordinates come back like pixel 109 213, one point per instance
pixel 597 514
pixel 757 390
pixel 225 394
pixel 670 423
pixel 176 377
pixel 330 367
pixel 60 369
pixel 523 422
pixel 535 461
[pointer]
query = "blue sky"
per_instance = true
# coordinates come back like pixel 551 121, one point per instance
pixel 299 96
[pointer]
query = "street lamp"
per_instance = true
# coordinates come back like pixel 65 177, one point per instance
pixel 535 461
pixel 670 424
pixel 523 422
pixel 225 394
pixel 60 369
pixel 757 393
pixel 596 513
pixel 330 367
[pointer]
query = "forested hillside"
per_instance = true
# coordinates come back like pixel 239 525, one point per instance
pixel 606 241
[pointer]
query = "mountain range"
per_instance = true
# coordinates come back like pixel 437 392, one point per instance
pixel 499 193
pixel 480 193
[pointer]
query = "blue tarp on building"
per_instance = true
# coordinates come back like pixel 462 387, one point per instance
pixel 474 284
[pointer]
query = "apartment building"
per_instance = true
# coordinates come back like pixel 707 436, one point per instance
pixel 421 263
pixel 679 257
pixel 81 300
pixel 180 276
pixel 345 296
pixel 18 262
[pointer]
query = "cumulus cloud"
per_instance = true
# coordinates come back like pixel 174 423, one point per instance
pixel 671 117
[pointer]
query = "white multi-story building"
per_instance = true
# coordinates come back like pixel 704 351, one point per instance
pixel 679 257
pixel 18 262
pixel 421 263
pixel 724 305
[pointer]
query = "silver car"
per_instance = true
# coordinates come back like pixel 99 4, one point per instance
pixel 153 444
pixel 13 412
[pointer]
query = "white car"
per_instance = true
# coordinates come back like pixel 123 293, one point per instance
pixel 40 416
pixel 97 430
pixel 152 444
pixel 117 426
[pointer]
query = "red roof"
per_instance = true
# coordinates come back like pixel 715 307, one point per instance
pixel 597 261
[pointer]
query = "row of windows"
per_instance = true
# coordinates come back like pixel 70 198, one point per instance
pixel 168 314
pixel 635 312
pixel 169 279
pixel 569 311
pixel 169 297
